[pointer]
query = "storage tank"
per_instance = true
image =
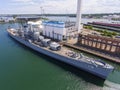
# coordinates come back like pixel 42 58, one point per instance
pixel 46 42
pixel 22 33
pixel 55 46
pixel 41 38
pixel 36 35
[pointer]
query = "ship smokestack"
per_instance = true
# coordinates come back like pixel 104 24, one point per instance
pixel 78 19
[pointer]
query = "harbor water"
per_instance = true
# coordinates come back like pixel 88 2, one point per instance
pixel 23 69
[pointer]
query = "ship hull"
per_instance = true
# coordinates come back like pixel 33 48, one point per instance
pixel 97 71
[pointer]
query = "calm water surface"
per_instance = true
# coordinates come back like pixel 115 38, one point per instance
pixel 24 69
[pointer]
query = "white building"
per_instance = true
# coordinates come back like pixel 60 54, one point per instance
pixel 58 30
pixel 35 26
pixel 6 19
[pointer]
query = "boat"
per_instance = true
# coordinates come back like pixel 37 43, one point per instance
pixel 53 49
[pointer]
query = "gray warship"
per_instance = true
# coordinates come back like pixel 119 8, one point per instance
pixel 46 46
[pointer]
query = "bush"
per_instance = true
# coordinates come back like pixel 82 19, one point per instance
pixel 88 27
pixel 114 33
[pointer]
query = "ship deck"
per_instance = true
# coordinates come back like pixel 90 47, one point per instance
pixel 60 52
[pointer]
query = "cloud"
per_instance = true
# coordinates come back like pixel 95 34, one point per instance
pixel 109 2
pixel 21 0
pixel 59 6
pixel 101 6
pixel 49 6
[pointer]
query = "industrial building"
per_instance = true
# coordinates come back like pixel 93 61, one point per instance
pixel 63 30
pixel 59 30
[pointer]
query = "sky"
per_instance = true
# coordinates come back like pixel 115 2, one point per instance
pixel 58 6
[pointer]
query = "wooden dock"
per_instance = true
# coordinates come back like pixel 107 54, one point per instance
pixel 106 56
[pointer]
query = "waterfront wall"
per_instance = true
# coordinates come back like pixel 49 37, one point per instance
pixel 99 43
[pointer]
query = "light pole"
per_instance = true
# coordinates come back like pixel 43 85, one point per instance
pixel 42 11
